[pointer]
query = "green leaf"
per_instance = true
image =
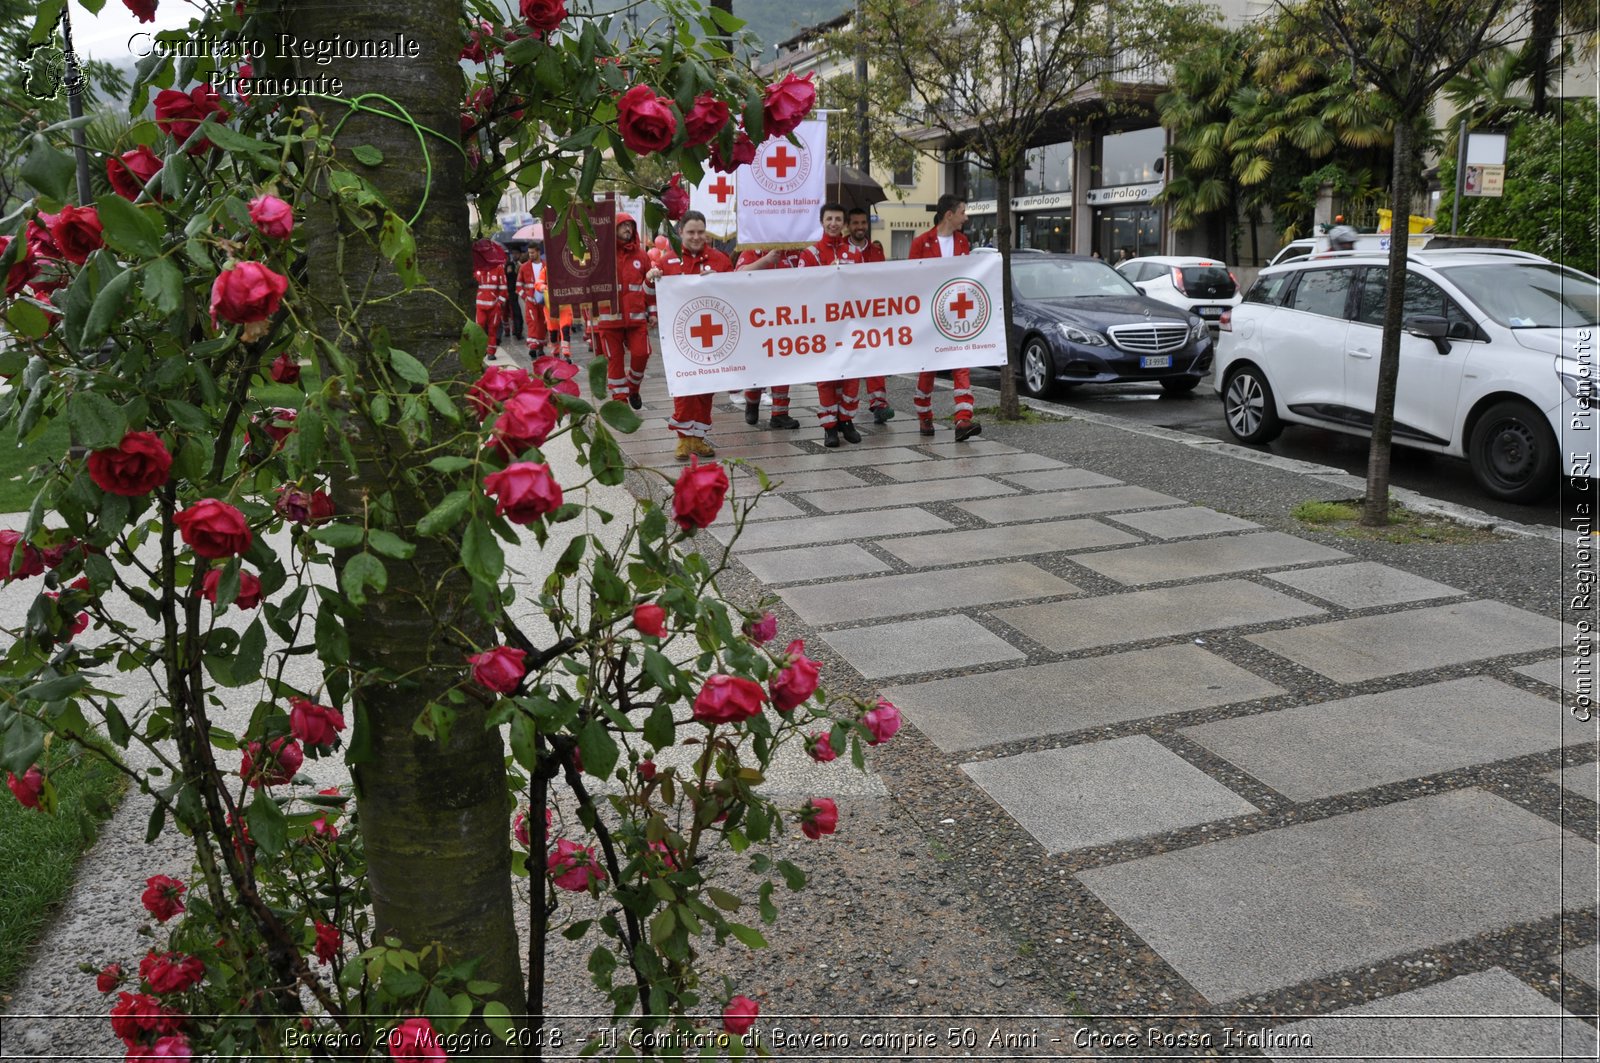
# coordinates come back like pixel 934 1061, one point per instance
pixel 367 155
pixel 338 536
pixel 480 553
pixel 389 544
pixel 333 642
pixel 723 899
pixel 27 320
pixel 441 402
pixel 233 142
pixel 398 246
pixel 447 514
pixel 659 729
pixel 96 422
pixel 268 827
pixel 662 926
pixel 748 934
pixel 475 347
pixel 360 572
pixel 450 464
pixel 598 748
pixel 163 286
pixel 50 171
pixel 106 309
pixel 497 1019
pixel 605 459
pixel 128 228
pixel 620 415
pixel 407 368
pixel 154 825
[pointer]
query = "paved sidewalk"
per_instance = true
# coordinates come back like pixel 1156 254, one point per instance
pixel 1256 789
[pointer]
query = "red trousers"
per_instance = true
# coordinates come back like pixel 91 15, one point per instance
pixel 489 321
pixel 691 415
pixel 837 401
pixel 962 379
pixel 627 351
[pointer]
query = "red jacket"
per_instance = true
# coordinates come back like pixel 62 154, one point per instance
pixel 872 252
pixel 491 286
pixel 790 259
pixel 709 260
pixel 828 251
pixel 636 299
pixel 926 245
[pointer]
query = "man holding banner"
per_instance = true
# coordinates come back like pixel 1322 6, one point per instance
pixel 773 259
pixel 691 414
pixel 838 399
pixel 945 240
pixel 863 248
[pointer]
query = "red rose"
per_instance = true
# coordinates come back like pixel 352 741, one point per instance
pixel 313 724
pixel 328 941
pixel 820 747
pixel 414 1041
pixel 499 669
pixel 249 595
pixel 645 120
pixel 286 369
pixel 137 1014
pixel 15 563
pixel 272 216
pixel 143 10
pixel 796 682
pixel 302 506
pixel 650 619
pixel 787 104
pixel 527 420
pixel 697 496
pixel 819 816
pixel 544 16
pixel 271 765
pixel 494 387
pixel 162 897
pixel 572 866
pixel 744 153
pixel 180 113
pixel 23 269
pixel 480 43
pixel 883 722
pixel 39 238
pixel 246 293
pixel 80 623
pixel 728 699
pixel 27 788
pixel 675 198
pixel 174 1047
pixel 214 529
pixel 523 492
pixel 171 972
pixel 280 423
pixel 131 172
pixel 136 466
pixel 109 978
pixel 647 770
pixel 76 231
pixel 740 1015
pixel 763 630
pixel 705 120
pixel 557 374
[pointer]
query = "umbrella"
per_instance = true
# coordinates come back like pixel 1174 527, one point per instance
pixel 531 231
pixel 487 253
pixel 852 188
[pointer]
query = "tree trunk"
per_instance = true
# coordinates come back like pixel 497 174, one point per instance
pixel 1375 510
pixel 1542 37
pixel 433 814
pixel 1010 410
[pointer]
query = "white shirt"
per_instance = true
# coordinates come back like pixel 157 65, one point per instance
pixel 947 246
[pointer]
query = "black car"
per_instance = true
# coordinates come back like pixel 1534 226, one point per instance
pixel 1078 321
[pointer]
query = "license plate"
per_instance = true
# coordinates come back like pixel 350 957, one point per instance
pixel 1209 311
pixel 1156 361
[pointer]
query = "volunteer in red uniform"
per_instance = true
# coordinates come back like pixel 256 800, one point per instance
pixel 491 292
pixel 837 399
pixel 691 414
pixel 942 241
pixel 623 335
pixel 773 259
pixel 865 249
pixel 531 295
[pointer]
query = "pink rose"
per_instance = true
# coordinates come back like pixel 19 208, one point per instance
pixel 249 595
pixel 763 630
pixel 143 10
pixel 557 374
pixel 272 216
pixel 647 770
pixel 523 492
pixel 162 897
pixel 28 788
pixel 132 171
pixel 787 104
pixel 76 231
pixel 271 765
pixel 572 866
pixel 527 420
pixel 174 1046
pixel 133 468
pixel 171 972
pixel 286 369
pixel 313 724
pixel 739 1015
pixel 214 529
pixel 820 747
pixel 883 722
pixel 650 619
pixel 181 113
pixel 328 941
pixel 819 816
pixel 414 1041
pixel 797 681
pixel 744 153
pixel 499 669
pixel 109 978
pixel 495 386
pixel 544 16
pixel 675 198
pixel 519 828
pixel 697 496
pixel 645 120
pixel 728 699
pixel 247 293
pixel 302 506
pixel 705 120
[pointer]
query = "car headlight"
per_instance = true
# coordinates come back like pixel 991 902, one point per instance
pixel 1083 336
pixel 1579 387
pixel 1198 329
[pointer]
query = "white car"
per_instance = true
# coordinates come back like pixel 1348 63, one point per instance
pixel 1202 286
pixel 1490 366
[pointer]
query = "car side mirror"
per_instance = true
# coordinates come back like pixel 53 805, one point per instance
pixel 1142 289
pixel 1430 327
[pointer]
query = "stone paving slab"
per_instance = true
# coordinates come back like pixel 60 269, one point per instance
pixel 1550 672
pixel 840 459
pixel 790 483
pixel 803 531
pixel 987 544
pixel 1367 647
pixel 1056 699
pixel 1060 479
pixel 812 562
pixel 1338 747
pixel 1104 792
pixel 1364 585
pixel 1265 911
pixel 1138 565
pixel 1068 504
pixel 1581 779
pixel 880 496
pixel 911 646
pixel 980 448
pixel 945 468
pixel 1582 963
pixel 1122 618
pixel 885 596
pixel 1185 523
pixel 661 451
pixel 771 507
pixel 1474 1022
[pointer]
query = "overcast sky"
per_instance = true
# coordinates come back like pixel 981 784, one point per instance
pixel 105 36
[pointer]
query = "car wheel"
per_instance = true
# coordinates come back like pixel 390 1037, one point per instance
pixel 1038 368
pixel 1513 453
pixel 1248 406
pixel 1178 385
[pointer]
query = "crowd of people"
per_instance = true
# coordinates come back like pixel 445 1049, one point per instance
pixel 514 297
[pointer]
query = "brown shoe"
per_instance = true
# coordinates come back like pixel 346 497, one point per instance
pixel 700 448
pixel 967 429
pixel 685 448
pixel 925 426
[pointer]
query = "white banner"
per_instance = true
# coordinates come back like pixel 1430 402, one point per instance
pixel 715 197
pixel 782 190
pixel 724 331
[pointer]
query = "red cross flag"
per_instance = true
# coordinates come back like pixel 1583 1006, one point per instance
pixel 715 198
pixel 781 191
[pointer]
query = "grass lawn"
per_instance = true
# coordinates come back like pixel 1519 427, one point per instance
pixel 38 852
pixel 1405 526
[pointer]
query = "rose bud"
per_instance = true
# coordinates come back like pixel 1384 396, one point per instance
pixel 883 722
pixel 744 153
pixel 286 369
pixel 526 420
pixel 131 172
pixel 171 972
pixel 28 788
pixel 675 198
pixel 647 770
pixel 76 231
pixel 739 1015
pixel 819 816
pixel 273 217
pixel 763 630
pixel 272 765
pixel 313 724
pixel 650 619
pixel 328 941
pixel 495 386
pixel 301 506
pixel 787 104
pixel 246 293
pixel 523 491
pixel 705 120
pixel 499 669
pixel 109 978
pixel 645 120
pixel 544 16
pixel 820 747
pixel 796 682
pixel 249 595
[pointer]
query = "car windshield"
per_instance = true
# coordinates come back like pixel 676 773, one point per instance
pixel 1530 294
pixel 1066 279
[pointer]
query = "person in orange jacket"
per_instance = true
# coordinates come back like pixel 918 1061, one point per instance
pixel 942 241
pixel 531 296
pixel 623 335
pixel 558 320
pixel 691 414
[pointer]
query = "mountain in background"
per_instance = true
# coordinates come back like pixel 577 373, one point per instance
pixel 770 20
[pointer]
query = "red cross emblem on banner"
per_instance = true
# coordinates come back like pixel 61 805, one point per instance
pixel 707 330
pixel 781 162
pixel 721 189
pixel 962 304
